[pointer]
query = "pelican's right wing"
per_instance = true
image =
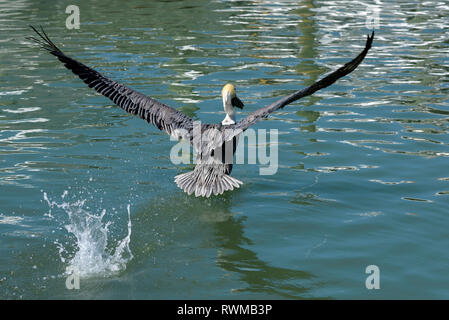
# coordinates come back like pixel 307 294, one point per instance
pixel 172 121
pixel 323 83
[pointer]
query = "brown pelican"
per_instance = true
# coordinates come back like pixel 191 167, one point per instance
pixel 212 171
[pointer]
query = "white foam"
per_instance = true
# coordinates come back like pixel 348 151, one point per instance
pixel 94 253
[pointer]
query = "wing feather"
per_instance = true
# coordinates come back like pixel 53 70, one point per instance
pixel 160 115
pixel 321 84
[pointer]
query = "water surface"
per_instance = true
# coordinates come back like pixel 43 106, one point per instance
pixel 363 165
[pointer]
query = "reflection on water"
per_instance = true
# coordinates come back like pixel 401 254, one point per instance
pixel 178 221
pixel 260 277
pixel 362 177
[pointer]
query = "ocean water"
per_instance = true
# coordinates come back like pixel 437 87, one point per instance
pixel 363 175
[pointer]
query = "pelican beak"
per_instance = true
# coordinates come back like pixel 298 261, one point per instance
pixel 236 102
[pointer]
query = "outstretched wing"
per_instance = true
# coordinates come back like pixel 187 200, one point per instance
pixel 172 121
pixel 323 83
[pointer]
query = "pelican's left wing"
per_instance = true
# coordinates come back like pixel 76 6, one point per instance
pixel 323 83
pixel 172 121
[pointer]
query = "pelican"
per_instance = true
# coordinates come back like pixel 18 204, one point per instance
pixel 211 175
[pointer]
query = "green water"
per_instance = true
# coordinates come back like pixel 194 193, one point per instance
pixel 363 173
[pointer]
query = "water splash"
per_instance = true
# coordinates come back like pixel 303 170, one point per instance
pixel 94 254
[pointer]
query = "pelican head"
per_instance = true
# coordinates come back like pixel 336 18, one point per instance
pixel 230 100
